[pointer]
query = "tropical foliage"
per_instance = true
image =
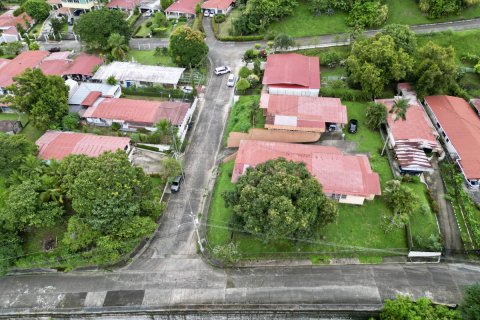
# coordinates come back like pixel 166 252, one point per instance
pixel 187 47
pixel 376 115
pixel 404 308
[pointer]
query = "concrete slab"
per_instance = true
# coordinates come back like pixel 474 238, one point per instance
pixel 95 299
pixel 124 298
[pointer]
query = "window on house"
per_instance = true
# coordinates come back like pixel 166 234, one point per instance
pixel 443 134
pixel 344 196
pixel 438 125
pixel 447 140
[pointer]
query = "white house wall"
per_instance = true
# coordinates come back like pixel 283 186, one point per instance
pixel 352 200
pixel 294 92
pixel 182 130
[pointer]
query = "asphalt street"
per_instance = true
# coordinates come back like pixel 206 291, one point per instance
pixel 170 273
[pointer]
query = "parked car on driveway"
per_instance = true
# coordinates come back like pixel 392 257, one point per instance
pixel 231 80
pixel 175 186
pixel 54 49
pixel 187 89
pixel 212 14
pixel 222 70
pixel 148 14
pixel 206 13
pixel 353 126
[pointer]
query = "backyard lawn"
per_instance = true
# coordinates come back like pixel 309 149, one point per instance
pixel 149 57
pixel 240 117
pixel 145 31
pixel 29 130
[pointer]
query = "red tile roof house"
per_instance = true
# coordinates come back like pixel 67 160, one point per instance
pixel 79 69
pixel 218 6
pixel 459 126
pixel 57 145
pixel 411 137
pixel 124 5
pixel 292 74
pixel 16 66
pixel 8 26
pixel 134 114
pixel 347 178
pixel 303 113
pixel 182 8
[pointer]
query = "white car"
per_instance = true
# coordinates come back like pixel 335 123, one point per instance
pixel 212 14
pixel 206 13
pixel 187 89
pixel 231 80
pixel 222 70
pixel 148 14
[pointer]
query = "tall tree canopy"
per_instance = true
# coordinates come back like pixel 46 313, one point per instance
pixel 368 14
pixel 44 98
pixel 470 306
pixel 375 115
pixel 403 37
pixel 404 308
pixel 374 62
pixel 37 9
pixel 187 46
pixel 165 4
pixel 13 151
pixel 401 200
pixel 435 69
pixel 279 199
pixel 95 27
pixel 441 8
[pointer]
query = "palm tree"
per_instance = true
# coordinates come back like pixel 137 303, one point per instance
pixel 399 109
pixel 118 46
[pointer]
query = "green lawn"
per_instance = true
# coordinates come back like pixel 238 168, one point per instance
pixel 149 57
pixel 225 26
pixel 240 119
pixel 357 233
pixel 29 130
pixel 145 31
pixel 302 23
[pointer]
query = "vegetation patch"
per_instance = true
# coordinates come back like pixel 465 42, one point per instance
pixel 245 114
pixel 152 57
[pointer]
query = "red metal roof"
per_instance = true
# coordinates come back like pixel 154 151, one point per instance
pixel 308 110
pixel 91 98
pixel 141 111
pixel 292 69
pixel 82 65
pixel 462 126
pixel 337 172
pixel 57 145
pixel 184 6
pixel 123 4
pixel 9 20
pixel 27 59
pixel 54 67
pixel 217 4
pixel 416 126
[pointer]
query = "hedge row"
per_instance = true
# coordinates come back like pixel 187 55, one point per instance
pixel 345 94
pixel 157 92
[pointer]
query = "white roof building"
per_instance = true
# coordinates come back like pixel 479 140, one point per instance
pixel 80 93
pixel 131 73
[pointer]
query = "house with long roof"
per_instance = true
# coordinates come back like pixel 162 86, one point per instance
pixel 458 125
pixel 413 137
pixel 8 25
pixel 302 113
pixel 292 74
pixel 182 8
pixel 218 6
pixel 59 144
pixel 124 5
pixel 79 68
pixel 133 74
pixel 133 114
pixel 346 178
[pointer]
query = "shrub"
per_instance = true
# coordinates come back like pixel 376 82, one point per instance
pixel 244 72
pixel 254 80
pixel 240 38
pixel 182 19
pixel 271 35
pixel 345 94
pixel 219 18
pixel 148 24
pixel 112 81
pixel 242 85
pixel 257 46
pixel 71 122
pixel 116 126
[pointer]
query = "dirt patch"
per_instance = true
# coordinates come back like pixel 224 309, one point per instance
pixel 149 161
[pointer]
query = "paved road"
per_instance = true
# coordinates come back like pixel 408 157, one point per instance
pixel 170 274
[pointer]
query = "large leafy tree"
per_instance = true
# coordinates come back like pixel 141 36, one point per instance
pixel 165 4
pixel 95 27
pixel 435 69
pixel 37 9
pixel 375 115
pixel 402 36
pixel 470 306
pixel 368 14
pixel 374 62
pixel 13 151
pixel 401 200
pixel 10 248
pixel 110 191
pixel 43 98
pixel 280 199
pixel 441 8
pixel 187 46
pixel 404 308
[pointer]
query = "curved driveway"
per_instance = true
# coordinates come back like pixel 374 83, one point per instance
pixel 169 273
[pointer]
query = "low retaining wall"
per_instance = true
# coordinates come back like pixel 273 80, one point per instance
pixel 234 138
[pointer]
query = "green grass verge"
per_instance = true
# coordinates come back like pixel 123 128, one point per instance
pixel 357 233
pixel 29 130
pixel 240 119
pixel 148 57
pixel 34 239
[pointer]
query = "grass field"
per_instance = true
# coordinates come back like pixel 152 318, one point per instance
pixel 240 120
pixel 357 233
pixel 29 130
pixel 149 57
pixel 145 31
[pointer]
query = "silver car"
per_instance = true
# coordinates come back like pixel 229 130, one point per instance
pixel 231 80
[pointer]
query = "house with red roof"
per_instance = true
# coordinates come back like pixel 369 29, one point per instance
pixel 459 127
pixel 292 74
pixel 218 6
pixel 124 5
pixel 182 8
pixel 346 178
pixel 79 68
pixel 16 66
pixel 57 144
pixel 302 113
pixel 8 26
pixel 133 114
pixel 413 137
